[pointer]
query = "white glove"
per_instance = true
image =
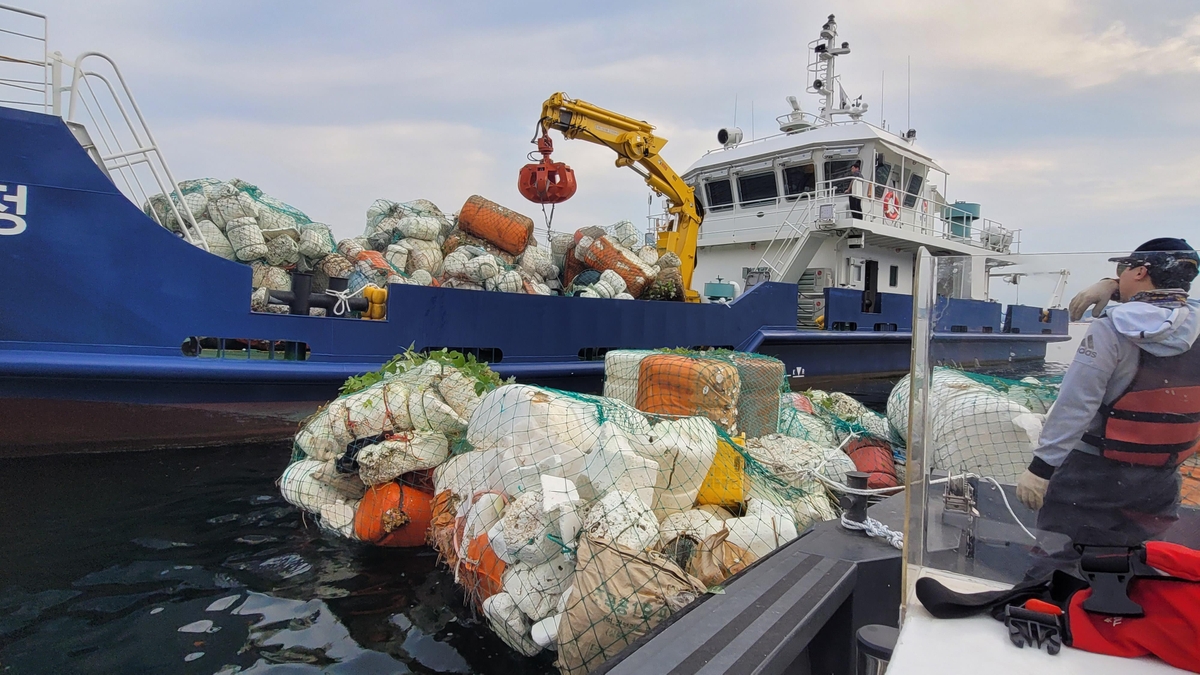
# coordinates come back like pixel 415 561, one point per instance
pixel 1031 490
pixel 1097 294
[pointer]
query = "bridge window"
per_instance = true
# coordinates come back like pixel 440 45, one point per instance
pixel 757 188
pixel 799 181
pixel 838 171
pixel 719 194
pixel 894 276
pixel 883 171
pixel 913 190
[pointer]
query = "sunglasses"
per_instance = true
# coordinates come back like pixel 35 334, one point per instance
pixel 1126 266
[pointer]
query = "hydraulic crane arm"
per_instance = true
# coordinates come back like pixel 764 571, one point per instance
pixel 638 148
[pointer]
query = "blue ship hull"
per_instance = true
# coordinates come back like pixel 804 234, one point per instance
pixel 100 304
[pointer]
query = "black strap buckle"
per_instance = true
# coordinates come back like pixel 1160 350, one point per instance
pixel 1036 629
pixel 1108 570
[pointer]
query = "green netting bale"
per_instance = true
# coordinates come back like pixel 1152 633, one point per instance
pixel 1037 395
pixel 762 379
pixel 798 424
pixel 848 417
pixel 282 251
pixel 273 278
pixel 973 427
pixel 247 240
pixel 277 213
pixel 218 244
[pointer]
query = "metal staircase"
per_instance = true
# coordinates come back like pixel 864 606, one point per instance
pixel 810 295
pixel 794 244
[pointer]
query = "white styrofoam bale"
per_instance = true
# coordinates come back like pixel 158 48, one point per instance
pixel 560 243
pixel 430 413
pixel 421 278
pixel 397 256
pixel 395 400
pixel 401 453
pixel 505 282
pixel 795 459
pixel 545 632
pixel 539 423
pixel 538 261
pixel 275 224
pixel 560 496
pixel 376 212
pixel 260 299
pixel 316 241
pixel 621 368
pixel 481 268
pixel 625 234
pixel 538 588
pixel 616 465
pixel 224 210
pixel 422 255
pixel 246 239
pixel 218 243
pixel 851 410
pixel 316 439
pixel 764 528
pixel 455 262
pixel 527 529
pixel 282 251
pixel 462 284
pixel 273 278
pixel 648 254
pixel 481 514
pixel 614 280
pixel 469 472
pixel 195 203
pixel 366 412
pixel 684 450
pixel 352 247
pixel 506 620
pixel 302 487
pixel 623 296
pixel 420 227
pixel 695 523
pixel 624 518
pixel 973 427
pixel 458 391
pixel 809 427
pixel 339 517
pixel 215 189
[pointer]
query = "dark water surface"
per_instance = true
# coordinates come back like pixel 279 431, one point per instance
pixel 190 562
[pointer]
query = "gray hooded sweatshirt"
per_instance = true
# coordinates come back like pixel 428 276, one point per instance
pixel 1104 366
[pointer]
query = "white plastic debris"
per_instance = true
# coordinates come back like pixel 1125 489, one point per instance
pixel 622 517
pixel 507 621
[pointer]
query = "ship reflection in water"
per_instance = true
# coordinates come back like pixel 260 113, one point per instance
pixel 190 562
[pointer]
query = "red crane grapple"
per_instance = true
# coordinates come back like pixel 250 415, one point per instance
pixel 546 182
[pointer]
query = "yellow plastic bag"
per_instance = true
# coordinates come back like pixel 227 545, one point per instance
pixel 725 484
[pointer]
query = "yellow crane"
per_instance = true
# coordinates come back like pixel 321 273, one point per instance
pixel 637 148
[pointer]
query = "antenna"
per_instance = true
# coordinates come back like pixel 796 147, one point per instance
pixel 735 110
pixel 882 121
pixel 751 119
pixel 908 124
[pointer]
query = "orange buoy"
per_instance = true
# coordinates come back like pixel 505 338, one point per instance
pixel 504 228
pixel 394 515
pixel 546 182
pixel 482 571
pixel 874 456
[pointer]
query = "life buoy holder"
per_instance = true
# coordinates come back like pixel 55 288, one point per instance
pixel 891 205
pixel 925 206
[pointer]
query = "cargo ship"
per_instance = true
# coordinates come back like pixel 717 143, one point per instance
pixel 117 334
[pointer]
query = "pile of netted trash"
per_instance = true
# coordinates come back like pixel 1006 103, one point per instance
pixel 484 246
pixel 577 523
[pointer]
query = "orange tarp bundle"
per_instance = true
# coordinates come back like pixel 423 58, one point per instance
pixel 393 515
pixel 507 229
pixel 572 266
pixel 671 384
pixel 874 456
pixel 605 254
pixel 441 526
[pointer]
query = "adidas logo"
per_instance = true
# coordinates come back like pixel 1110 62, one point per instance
pixel 1087 347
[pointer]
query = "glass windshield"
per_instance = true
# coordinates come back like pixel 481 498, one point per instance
pixel 719 194
pixel 757 188
pixel 1061 434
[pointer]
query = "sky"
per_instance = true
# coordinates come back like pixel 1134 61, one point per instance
pixel 1071 120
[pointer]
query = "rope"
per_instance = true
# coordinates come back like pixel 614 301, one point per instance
pixel 342 306
pixel 876 529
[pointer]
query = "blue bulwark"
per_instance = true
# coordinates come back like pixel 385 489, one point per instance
pixel 955 315
pixel 844 311
pixel 1028 320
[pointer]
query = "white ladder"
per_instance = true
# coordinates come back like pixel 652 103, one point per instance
pixel 123 145
pixel 792 239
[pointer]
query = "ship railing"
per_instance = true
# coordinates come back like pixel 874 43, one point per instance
pixel 24 75
pixel 100 100
pixel 792 234
pixel 890 206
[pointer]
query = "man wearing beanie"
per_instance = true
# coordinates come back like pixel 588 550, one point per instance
pixel 1128 411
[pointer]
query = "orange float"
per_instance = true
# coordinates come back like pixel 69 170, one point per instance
pixel 481 570
pixel 506 229
pixel 874 456
pixel 394 515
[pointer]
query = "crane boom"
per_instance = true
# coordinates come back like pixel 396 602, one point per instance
pixel 638 148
